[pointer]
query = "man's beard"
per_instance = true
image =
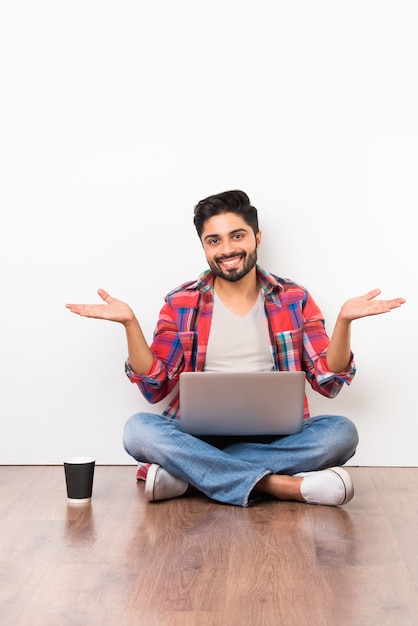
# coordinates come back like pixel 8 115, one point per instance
pixel 233 275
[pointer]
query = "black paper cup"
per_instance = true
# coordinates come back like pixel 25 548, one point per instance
pixel 79 472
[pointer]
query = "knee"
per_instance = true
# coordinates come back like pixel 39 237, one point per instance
pixel 130 433
pixel 347 437
pixel 141 433
pixel 338 437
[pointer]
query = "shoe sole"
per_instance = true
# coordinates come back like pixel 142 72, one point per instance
pixel 150 481
pixel 346 481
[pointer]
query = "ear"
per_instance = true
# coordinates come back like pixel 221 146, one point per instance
pixel 258 238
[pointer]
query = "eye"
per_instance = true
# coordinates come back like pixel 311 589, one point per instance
pixel 213 241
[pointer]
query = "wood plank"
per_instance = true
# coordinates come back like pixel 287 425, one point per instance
pixel 123 561
pixel 397 489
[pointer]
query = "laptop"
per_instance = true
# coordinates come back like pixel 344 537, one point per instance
pixel 241 403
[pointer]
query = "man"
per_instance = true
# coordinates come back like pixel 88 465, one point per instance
pixel 280 327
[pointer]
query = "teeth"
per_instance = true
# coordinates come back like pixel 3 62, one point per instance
pixel 231 262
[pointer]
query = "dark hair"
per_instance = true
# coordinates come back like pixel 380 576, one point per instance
pixel 227 202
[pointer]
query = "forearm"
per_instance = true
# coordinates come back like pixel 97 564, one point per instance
pixel 339 349
pixel 140 355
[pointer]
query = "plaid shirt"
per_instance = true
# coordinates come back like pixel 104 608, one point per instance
pixel 298 338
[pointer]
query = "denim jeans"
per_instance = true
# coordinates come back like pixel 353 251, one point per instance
pixel 227 469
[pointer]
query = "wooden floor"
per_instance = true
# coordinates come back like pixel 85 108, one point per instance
pixel 122 561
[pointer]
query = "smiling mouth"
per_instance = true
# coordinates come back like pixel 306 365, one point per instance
pixel 230 262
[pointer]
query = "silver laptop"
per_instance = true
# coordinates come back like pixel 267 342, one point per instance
pixel 245 403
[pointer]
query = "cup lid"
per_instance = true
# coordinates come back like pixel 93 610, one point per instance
pixel 79 459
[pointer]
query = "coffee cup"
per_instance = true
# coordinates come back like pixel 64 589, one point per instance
pixel 79 473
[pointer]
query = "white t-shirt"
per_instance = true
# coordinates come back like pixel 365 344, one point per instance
pixel 238 343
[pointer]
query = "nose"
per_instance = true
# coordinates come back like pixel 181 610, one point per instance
pixel 227 248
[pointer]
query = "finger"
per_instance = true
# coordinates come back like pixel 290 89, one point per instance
pixel 75 308
pixel 372 294
pixel 396 302
pixel 105 296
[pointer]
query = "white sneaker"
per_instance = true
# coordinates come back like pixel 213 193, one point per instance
pixel 332 486
pixel 161 485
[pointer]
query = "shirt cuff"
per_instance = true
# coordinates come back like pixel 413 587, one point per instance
pixel 151 376
pixel 346 375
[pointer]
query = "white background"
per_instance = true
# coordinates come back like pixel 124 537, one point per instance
pixel 116 118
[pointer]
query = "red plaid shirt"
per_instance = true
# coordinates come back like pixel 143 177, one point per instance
pixel 297 337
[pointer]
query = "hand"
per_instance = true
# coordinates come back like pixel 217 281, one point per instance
pixel 366 305
pixel 114 310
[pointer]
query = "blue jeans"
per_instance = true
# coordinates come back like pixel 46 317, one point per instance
pixel 227 469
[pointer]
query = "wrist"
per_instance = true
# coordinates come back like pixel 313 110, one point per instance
pixel 131 322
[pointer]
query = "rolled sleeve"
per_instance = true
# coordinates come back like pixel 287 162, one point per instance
pixel 152 377
pixel 325 377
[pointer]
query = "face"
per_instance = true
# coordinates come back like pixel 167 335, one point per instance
pixel 230 246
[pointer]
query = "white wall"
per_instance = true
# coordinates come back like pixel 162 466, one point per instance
pixel 117 117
